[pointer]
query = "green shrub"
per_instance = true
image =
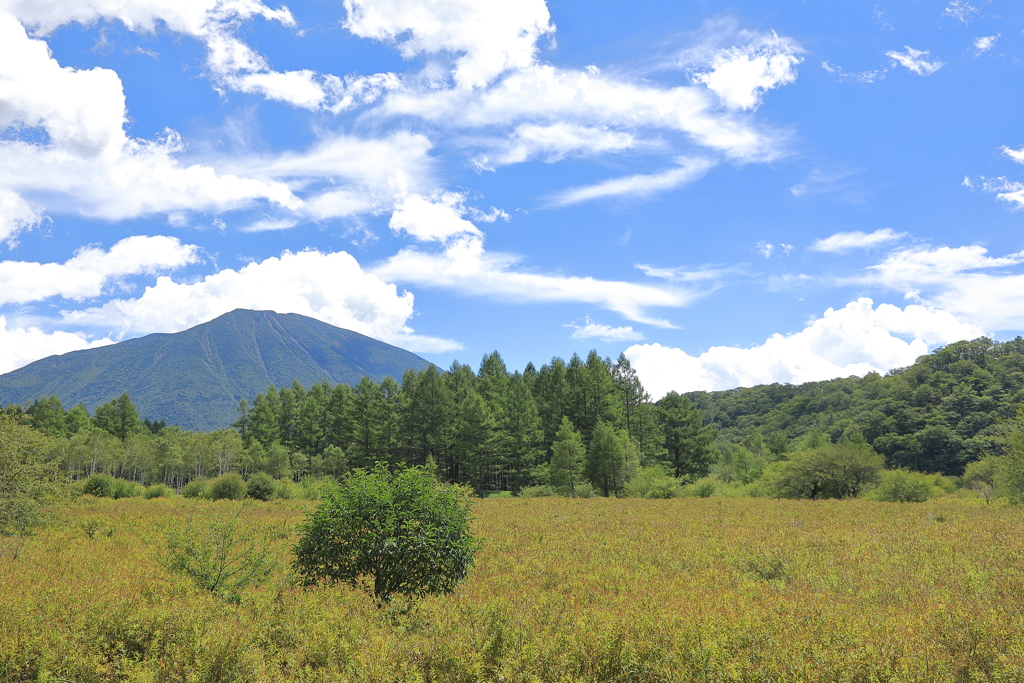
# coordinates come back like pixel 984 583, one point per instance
pixel 406 530
pixel 312 488
pixel 157 491
pixel 261 486
pixel 905 486
pixel 127 489
pixel 228 486
pixel 223 553
pixel 100 485
pixel 652 482
pixel 286 489
pixel 704 488
pixel 500 494
pixel 197 488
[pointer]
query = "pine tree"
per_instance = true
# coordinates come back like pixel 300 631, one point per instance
pixel 687 440
pixel 567 457
pixel 611 458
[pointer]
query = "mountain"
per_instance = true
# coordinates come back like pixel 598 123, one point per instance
pixel 196 378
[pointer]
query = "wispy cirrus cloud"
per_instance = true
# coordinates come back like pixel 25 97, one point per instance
pixel 845 241
pixel 639 185
pixel 919 62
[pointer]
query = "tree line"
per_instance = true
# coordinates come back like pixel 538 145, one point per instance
pixel 582 423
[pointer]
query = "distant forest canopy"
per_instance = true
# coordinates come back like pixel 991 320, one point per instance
pixel 586 420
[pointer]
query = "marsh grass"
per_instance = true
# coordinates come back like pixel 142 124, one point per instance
pixel 684 589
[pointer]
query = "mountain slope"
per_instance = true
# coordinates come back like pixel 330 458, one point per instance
pixel 196 378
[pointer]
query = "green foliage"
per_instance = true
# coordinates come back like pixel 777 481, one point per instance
pixel 27 482
pixel 567 456
pixel 197 488
pixel 653 482
pixel 127 489
pixel 687 439
pixel 984 476
pixel 261 486
pixel 834 471
pixel 611 459
pixel 157 491
pixel 228 486
pixel 222 552
pixel 406 531
pixel 285 489
pixel 100 485
pixel 905 486
pixel 118 417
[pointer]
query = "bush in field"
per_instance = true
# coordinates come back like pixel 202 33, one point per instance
pixel 223 553
pixel 127 489
pixel 157 491
pixel 26 480
pixel 406 531
pixel 905 486
pixel 983 476
pixel 652 482
pixel 842 470
pixel 261 486
pixel 100 485
pixel 285 489
pixel 540 491
pixel 228 486
pixel 197 488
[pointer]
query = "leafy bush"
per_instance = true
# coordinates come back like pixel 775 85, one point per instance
pixel 223 553
pixel 261 486
pixel 501 494
pixel 312 488
pixel 197 488
pixel 842 470
pixel 652 482
pixel 158 491
pixel 228 486
pixel 27 481
pixel 704 488
pixel 406 530
pixel 100 485
pixel 905 486
pixel 286 489
pixel 127 489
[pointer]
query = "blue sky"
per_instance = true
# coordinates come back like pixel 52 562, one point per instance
pixel 731 193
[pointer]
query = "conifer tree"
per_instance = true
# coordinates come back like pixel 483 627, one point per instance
pixel 567 457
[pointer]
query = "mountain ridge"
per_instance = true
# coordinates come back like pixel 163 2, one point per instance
pixel 196 377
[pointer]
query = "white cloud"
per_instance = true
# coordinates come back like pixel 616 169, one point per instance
pixel 85 274
pixel 553 143
pixel 765 249
pixel 331 287
pixel 268 224
pixel 916 61
pixel 465 266
pixel 853 340
pixel 845 241
pixel 489 37
pixel 545 95
pixel 641 185
pixel 21 346
pixel 1009 191
pixel 1014 154
pixel 435 219
pixel 740 76
pixel 960 10
pixel 986 43
pixel 860 76
pixel 592 330
pixel 16 215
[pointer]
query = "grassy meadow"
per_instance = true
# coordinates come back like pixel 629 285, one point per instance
pixel 564 590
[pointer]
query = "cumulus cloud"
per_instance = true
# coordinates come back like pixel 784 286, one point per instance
pixel 22 345
pixel 436 219
pixel 919 62
pixel 85 274
pixel 16 215
pixel 985 43
pixel 853 340
pixel 845 241
pixel 740 75
pixel 331 287
pixel 592 330
pixel 488 37
pixel 1014 154
pixel 640 185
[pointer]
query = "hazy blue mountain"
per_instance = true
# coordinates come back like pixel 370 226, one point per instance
pixel 196 378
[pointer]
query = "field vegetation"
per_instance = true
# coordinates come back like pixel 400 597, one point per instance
pixel 600 589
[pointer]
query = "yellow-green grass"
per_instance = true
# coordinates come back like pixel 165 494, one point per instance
pixel 563 590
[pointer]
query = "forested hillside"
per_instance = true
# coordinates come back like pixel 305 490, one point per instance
pixel 934 416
